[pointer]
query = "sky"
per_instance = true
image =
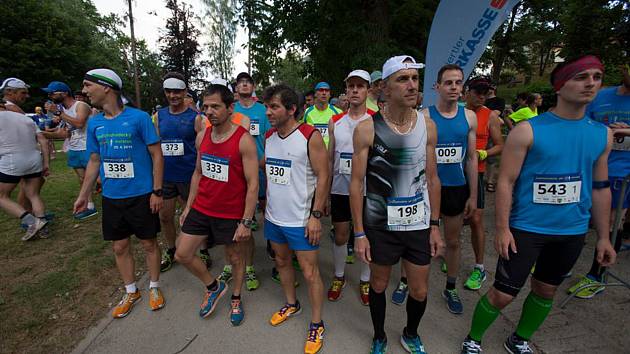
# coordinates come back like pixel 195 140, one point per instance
pixel 150 19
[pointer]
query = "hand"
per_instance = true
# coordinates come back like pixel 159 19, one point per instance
pixel 606 254
pixel 80 204
pixel 483 154
pixel 471 206
pixel 183 216
pixel 50 107
pixel 436 242
pixel 362 249
pixel 155 203
pixel 46 170
pixel 503 242
pixel 618 125
pixel 242 233
pixel 313 230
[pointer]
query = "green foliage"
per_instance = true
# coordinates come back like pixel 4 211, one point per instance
pixel 221 26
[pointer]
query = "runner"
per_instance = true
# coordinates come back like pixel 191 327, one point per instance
pixel 74 114
pixel 488 126
pixel 14 93
pixel 309 99
pixel 544 197
pixel 124 149
pixel 297 189
pixel 341 128
pixel 395 151
pixel 457 168
pixel 222 200
pixel 376 79
pixel 177 125
pixel 321 112
pixel 612 108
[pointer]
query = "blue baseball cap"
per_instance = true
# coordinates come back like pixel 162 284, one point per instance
pixel 322 85
pixel 57 86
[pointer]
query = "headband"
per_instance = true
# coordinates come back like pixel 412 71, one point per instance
pixel 565 73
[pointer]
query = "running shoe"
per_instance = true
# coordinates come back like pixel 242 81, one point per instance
pixel 350 256
pixel 251 281
pixel 476 278
pixel 285 312
pixel 156 299
pixel 412 345
pixel 443 267
pixel 236 312
pixel 589 292
pixel 400 294
pixel 453 302
pixel 275 276
pixel 315 338
pixel 85 214
pixel 167 261
pixel 205 257
pixel 34 228
pixel 226 274
pixel 126 304
pixel 334 293
pixel 364 291
pixel 471 346
pixel 44 233
pixel 379 346
pixel 254 225
pixel 211 299
pixel 515 345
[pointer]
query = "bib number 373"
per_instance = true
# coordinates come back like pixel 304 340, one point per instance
pixel 552 189
pixel 405 211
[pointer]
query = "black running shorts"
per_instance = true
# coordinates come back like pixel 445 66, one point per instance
pixel 387 247
pixel 129 216
pixel 219 231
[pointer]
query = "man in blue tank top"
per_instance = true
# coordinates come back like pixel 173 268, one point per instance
pixel 457 168
pixel 612 108
pixel 545 195
pixel 177 125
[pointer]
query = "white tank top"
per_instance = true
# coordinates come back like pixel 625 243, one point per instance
pixel 290 179
pixel 77 140
pixel 342 163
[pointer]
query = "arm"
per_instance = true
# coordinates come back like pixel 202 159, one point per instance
pixel 156 123
pixel 495 134
pixel 155 150
pixel 194 181
pixel 43 143
pixel 362 139
pixel 79 122
pixel 199 124
pixel 319 163
pixel 601 208
pixel 331 157
pixel 516 148
pixel 249 156
pixel 91 173
pixel 471 164
pixel 434 185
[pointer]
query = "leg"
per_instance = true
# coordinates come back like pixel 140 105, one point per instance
pixel 152 256
pixel 310 270
pixel 187 246
pixel 418 280
pixel 32 187
pixel 285 268
pixel 248 248
pixel 340 249
pixel 379 278
pixel 167 221
pixel 12 208
pixel 124 260
pixel 80 172
pixel 452 230
pixel 478 236
pixel 234 253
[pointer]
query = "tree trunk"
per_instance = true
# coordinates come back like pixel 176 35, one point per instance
pixel 134 56
pixel 502 47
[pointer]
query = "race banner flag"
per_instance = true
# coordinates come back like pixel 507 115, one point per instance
pixel 459 35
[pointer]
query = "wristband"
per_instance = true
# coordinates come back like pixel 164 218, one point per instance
pixel 483 154
pixel 601 184
pixel 359 234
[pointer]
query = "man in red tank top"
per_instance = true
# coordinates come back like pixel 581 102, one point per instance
pixel 222 199
pixel 488 127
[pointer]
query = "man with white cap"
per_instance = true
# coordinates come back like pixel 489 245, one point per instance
pixel 319 114
pixel 394 163
pixel 124 149
pixel 341 128
pixel 376 79
pixel 15 93
pixel 177 125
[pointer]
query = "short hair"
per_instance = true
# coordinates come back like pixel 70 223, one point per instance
pixel 522 96
pixel 446 68
pixel 227 97
pixel 174 75
pixel 287 95
pixel 309 93
pixel 531 98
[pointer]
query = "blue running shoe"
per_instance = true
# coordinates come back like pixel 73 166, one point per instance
pixel 400 294
pixel 453 303
pixel 236 313
pixel 212 297
pixel 379 346
pixel 85 214
pixel 412 345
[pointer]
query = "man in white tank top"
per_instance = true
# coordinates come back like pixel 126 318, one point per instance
pixel 341 128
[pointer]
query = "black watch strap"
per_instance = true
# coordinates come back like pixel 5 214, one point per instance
pixel 434 222
pixel 317 214
pixel 158 192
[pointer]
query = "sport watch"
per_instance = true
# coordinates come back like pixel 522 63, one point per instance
pixel 434 222
pixel 158 192
pixel 317 214
pixel 247 223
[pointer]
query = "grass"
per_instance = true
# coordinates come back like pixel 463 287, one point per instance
pixel 52 290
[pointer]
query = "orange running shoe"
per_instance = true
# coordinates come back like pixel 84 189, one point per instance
pixel 315 339
pixel 364 291
pixel 156 299
pixel 126 304
pixel 285 312
pixel 334 293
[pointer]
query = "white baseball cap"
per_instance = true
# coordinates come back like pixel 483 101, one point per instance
pixel 360 74
pixel 13 83
pixel 222 82
pixel 397 63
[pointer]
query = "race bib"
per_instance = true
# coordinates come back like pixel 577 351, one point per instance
pixel 345 163
pixel 278 171
pixel 621 143
pixel 449 153
pixel 216 168
pixel 557 189
pixel 405 211
pixel 323 128
pixel 118 168
pixel 174 147
pixel 254 128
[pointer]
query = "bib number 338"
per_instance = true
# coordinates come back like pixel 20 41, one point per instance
pixel 552 189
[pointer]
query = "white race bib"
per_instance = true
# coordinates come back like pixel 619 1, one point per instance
pixel 323 128
pixel 216 168
pixel 345 163
pixel 405 211
pixel 557 189
pixel 254 128
pixel 449 153
pixel 118 168
pixel 174 147
pixel 621 143
pixel 278 171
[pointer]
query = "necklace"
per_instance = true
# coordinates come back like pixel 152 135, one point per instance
pixel 407 119
pixel 219 138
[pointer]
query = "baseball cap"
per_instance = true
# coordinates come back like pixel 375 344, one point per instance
pixel 322 85
pixel 376 75
pixel 13 83
pixel 57 86
pixel 244 75
pixel 360 74
pixel 221 82
pixel 479 84
pixel 105 77
pixel 397 63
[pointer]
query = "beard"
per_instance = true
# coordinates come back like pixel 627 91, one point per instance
pixel 57 100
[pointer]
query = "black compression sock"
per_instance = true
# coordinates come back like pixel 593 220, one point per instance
pixel 377 311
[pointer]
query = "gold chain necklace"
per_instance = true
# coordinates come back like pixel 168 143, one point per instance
pixel 395 124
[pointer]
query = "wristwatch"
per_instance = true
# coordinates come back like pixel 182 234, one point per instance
pixel 57 114
pixel 434 222
pixel 317 214
pixel 247 223
pixel 158 192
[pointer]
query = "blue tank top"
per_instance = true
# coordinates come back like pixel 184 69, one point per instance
pixel 552 195
pixel 452 145
pixel 177 132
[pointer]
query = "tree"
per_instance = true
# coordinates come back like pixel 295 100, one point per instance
pixel 222 33
pixel 134 54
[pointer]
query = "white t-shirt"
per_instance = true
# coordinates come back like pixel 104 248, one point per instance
pixel 19 152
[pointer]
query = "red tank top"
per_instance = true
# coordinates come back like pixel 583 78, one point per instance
pixel 483 132
pixel 222 187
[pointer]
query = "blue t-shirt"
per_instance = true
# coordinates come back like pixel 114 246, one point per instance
pixel 259 124
pixel 609 107
pixel 126 166
pixel 177 132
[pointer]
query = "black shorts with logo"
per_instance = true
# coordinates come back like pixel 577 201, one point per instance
pixel 174 189
pixel 453 199
pixel 340 208
pixel 129 216
pixel 387 247
pixel 218 230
